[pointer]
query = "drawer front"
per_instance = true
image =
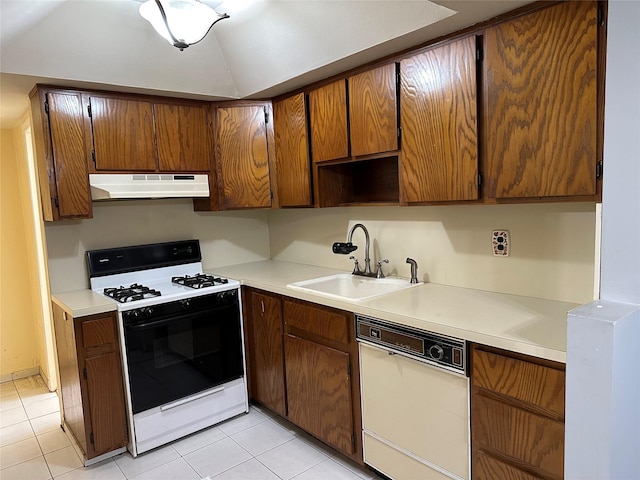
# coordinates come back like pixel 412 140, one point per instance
pixel 489 468
pixel 540 386
pixel 523 436
pixel 327 323
pixel 99 331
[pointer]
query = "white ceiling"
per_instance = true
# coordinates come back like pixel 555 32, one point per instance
pixel 265 49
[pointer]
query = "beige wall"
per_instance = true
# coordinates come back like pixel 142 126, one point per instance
pixel 226 238
pixel 21 332
pixel 552 245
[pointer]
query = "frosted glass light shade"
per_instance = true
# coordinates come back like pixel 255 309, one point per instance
pixel 188 20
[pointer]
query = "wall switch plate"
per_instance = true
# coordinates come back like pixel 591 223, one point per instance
pixel 500 243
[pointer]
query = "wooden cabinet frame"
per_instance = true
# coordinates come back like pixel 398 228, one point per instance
pixel 309 337
pixel 91 382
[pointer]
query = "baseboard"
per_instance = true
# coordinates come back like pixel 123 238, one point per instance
pixel 27 372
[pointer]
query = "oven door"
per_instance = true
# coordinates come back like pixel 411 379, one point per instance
pixel 174 355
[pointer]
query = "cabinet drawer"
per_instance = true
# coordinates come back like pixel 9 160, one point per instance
pixel 327 323
pixel 489 468
pixel 99 331
pixel 531 383
pixel 520 435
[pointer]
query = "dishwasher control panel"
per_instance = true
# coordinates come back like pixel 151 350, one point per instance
pixel 440 350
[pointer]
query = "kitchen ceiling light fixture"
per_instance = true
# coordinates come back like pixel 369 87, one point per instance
pixel 181 22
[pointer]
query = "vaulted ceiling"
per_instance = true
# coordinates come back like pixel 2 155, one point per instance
pixel 265 48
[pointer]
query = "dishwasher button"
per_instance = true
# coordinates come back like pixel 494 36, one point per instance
pixel 457 357
pixel 374 333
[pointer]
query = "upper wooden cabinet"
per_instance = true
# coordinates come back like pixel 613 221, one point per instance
pixel 292 152
pixel 184 137
pixel 438 103
pixel 242 155
pixel 123 133
pixel 60 153
pixel 131 134
pixel 328 119
pixel 370 124
pixel 373 111
pixel 541 103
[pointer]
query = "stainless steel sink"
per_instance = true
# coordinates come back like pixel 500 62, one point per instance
pixel 345 286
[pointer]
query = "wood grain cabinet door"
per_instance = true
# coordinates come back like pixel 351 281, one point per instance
pixel 438 108
pixel 292 152
pixel 106 403
pixel 319 391
pixel 101 383
pixel 183 135
pixel 242 157
pixel 267 352
pixel 373 111
pixel 328 122
pixel 541 119
pixel 123 134
pixel 70 172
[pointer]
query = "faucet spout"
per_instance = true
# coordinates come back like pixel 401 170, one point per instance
pixel 367 260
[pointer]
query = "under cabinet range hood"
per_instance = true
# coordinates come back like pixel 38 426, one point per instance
pixel 123 186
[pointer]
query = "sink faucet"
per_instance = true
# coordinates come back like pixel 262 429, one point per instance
pixel 367 260
pixel 348 247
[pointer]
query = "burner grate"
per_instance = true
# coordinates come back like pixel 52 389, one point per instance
pixel 131 293
pixel 200 280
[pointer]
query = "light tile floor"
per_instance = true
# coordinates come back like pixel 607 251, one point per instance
pixel 255 446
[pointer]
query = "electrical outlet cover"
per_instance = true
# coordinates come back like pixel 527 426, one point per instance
pixel 500 243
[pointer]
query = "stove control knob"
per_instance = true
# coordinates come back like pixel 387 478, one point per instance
pixel 147 312
pixel 436 352
pixel 186 303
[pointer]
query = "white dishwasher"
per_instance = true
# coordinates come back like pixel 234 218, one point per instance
pixel 415 402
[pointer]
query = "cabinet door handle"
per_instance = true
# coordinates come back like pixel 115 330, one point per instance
pixel 262 304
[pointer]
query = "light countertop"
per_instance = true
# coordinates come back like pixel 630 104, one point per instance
pixel 527 325
pixel 80 303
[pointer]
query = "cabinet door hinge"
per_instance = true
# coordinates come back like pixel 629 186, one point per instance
pixel 399 133
pixel 353 440
pixel 91 438
pixel 84 373
pixel 56 202
pixel 89 110
pixel 480 178
pixel 600 15
pixel 479 52
pixel 599 169
pixel 46 107
pixel 93 156
pixel 349 370
pixel 271 195
pixel 266 115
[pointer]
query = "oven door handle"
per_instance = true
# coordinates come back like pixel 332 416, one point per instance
pixel 165 321
pixel 192 398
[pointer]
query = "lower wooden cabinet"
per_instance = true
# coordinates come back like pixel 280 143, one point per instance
pixel 517 416
pixel 92 389
pixel 319 391
pixel 303 364
pixel 265 350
